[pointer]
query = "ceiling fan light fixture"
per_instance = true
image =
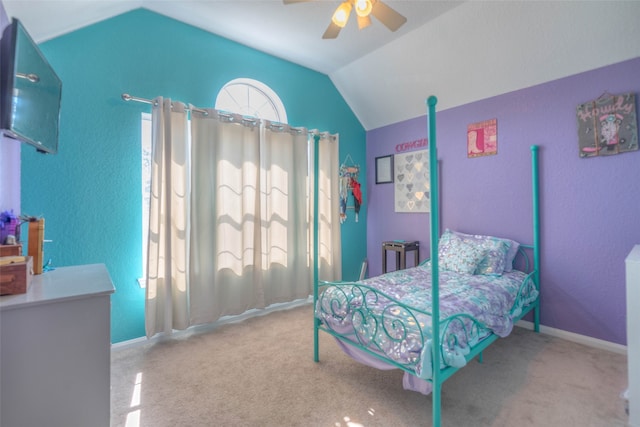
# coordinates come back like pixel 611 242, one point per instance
pixel 363 7
pixel 363 21
pixel 341 15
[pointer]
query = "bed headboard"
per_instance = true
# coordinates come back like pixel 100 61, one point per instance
pixel 524 259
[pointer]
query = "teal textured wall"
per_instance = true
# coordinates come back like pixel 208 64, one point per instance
pixel 89 193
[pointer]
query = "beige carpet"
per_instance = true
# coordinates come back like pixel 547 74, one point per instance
pixel 260 372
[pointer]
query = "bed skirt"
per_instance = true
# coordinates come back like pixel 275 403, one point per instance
pixel 409 382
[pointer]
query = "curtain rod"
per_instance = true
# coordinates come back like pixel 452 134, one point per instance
pixel 127 97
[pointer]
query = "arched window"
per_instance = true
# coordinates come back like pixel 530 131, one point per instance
pixel 251 98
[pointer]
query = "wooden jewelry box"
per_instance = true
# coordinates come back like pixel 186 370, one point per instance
pixel 15 274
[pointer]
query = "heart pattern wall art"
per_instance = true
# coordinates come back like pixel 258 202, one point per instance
pixel 412 188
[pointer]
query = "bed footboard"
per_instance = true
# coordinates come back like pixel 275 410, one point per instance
pixel 389 330
pixel 373 322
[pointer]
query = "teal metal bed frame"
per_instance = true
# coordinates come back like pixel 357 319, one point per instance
pixel 439 374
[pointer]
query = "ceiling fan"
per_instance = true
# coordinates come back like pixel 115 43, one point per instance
pixel 364 9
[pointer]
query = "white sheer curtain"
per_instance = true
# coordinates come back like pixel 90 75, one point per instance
pixel 286 241
pixel 231 226
pixel 167 292
pixel 329 236
pixel 225 264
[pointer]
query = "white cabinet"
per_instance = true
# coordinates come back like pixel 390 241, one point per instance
pixel 633 334
pixel 55 362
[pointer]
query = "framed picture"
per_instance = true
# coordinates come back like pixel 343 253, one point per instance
pixel 607 125
pixel 384 169
pixel 412 189
pixel 482 138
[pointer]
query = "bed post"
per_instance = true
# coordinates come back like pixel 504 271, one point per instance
pixel 536 231
pixel 316 321
pixel 435 279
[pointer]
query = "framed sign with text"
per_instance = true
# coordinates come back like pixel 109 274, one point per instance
pixel 607 125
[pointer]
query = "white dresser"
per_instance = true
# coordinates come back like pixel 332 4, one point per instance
pixel 633 334
pixel 55 341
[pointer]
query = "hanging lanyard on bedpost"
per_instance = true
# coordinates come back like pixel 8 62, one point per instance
pixel 434 234
pixel 316 166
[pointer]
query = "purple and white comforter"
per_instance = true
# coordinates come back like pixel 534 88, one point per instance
pixel 391 314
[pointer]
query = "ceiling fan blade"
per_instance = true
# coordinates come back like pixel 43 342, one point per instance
pixel 363 21
pixel 389 17
pixel 332 31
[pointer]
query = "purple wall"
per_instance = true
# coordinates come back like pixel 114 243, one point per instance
pixel 590 208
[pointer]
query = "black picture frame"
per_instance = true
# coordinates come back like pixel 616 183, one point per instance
pixel 384 169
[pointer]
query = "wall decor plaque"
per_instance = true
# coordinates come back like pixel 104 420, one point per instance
pixel 607 125
pixel 412 186
pixel 482 138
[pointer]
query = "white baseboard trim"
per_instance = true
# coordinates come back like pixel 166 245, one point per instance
pixel 210 326
pixel 577 338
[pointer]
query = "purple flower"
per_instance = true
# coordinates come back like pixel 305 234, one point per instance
pixel 7 217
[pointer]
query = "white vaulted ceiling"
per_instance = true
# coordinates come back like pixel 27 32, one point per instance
pixel 459 51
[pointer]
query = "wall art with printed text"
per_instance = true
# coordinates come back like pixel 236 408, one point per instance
pixel 607 125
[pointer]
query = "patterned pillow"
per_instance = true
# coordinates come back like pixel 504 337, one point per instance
pixel 495 261
pixel 456 254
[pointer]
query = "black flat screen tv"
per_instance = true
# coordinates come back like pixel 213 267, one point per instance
pixel 30 91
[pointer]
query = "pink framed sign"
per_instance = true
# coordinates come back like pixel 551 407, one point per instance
pixel 482 138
